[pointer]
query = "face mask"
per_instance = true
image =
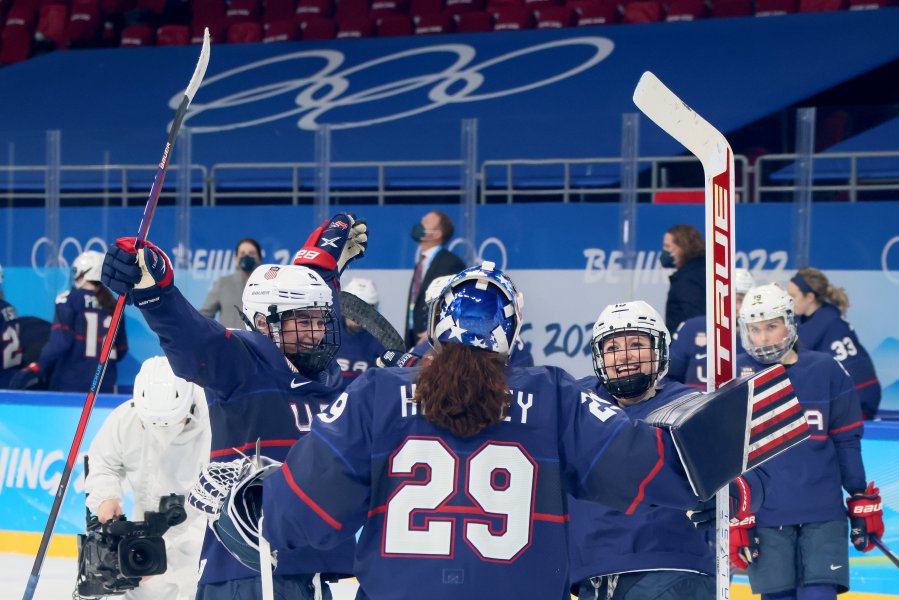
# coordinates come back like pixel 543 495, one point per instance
pixel 247 263
pixel 418 232
pixel 666 259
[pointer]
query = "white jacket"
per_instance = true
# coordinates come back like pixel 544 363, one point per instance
pixel 156 462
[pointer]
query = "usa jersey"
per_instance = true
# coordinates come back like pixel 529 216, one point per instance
pixel 357 353
pixel 688 352
pixel 10 343
pixel 519 357
pixel 827 331
pixel 605 541
pixel 479 517
pixel 805 480
pixel 72 353
pixel 253 393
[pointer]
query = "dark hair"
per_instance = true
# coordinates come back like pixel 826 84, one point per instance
pixel 105 298
pixel 463 390
pixel 821 287
pixel 447 229
pixel 249 241
pixel 689 240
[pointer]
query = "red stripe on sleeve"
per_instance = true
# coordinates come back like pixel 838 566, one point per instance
pixel 309 501
pixel 847 427
pixel 250 446
pixel 866 383
pixel 652 474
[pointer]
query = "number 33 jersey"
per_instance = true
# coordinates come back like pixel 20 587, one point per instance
pixel 444 517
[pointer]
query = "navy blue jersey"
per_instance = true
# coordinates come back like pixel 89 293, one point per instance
pixel 479 517
pixel 520 357
pixel 689 349
pixel 253 392
pixel 805 480
pixel 827 331
pixel 357 353
pixel 606 541
pixel 72 353
pixel 10 343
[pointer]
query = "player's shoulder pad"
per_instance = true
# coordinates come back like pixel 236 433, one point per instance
pixel 589 382
pixel 63 297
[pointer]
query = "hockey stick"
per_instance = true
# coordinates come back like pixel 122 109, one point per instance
pixel 682 123
pixel 886 551
pixel 371 321
pixel 111 332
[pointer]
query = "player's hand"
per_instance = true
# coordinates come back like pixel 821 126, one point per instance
pixel 333 245
pixel 865 517
pixel 143 274
pixel 108 510
pixel 740 501
pixel 744 542
pixel 394 358
pixel 27 378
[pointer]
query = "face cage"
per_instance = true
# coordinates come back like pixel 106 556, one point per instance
pixel 308 361
pixel 771 353
pixel 632 386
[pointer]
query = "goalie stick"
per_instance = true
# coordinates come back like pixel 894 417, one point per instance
pixel 685 125
pixel 371 321
pixel 116 318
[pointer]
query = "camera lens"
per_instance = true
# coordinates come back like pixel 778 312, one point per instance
pixel 139 557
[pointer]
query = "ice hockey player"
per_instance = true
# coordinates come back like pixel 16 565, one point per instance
pixel 157 442
pixel 260 385
pixel 796 544
pixel 358 348
pixel 11 360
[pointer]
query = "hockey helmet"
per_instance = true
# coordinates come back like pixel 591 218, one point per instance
pixel 477 308
pixel 88 265
pixel 160 397
pixel 761 304
pixel 743 281
pixel 364 289
pixel 630 322
pixel 281 293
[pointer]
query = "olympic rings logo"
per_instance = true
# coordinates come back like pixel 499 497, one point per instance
pixel 44 253
pixel 482 254
pixel 322 88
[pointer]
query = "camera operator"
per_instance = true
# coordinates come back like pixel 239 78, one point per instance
pixel 158 442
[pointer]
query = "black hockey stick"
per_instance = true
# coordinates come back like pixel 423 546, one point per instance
pixel 886 551
pixel 146 219
pixel 371 321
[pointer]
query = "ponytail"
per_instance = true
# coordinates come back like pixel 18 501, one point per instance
pixel 105 298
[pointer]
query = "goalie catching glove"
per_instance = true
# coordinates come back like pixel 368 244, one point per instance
pixel 865 517
pixel 231 496
pixel 142 274
pixel 333 245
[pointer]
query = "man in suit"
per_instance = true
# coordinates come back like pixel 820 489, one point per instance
pixel 431 261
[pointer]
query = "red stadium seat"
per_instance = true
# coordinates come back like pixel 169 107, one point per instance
pixel 22 16
pixel 51 24
pixel 116 7
pixel 493 5
pixel 244 32
pixel 870 4
pixel 351 8
pixel 773 8
pixel 538 4
pixel 822 5
pixel 83 28
pixel 157 7
pixel 730 8
pixel 277 10
pixel 207 11
pixel 642 11
pixel 313 9
pixel 686 10
pixel 137 35
pixel 513 18
pixel 554 17
pixel 319 28
pixel 596 12
pixel 425 7
pixel 355 27
pixel 434 24
pixel 457 7
pixel 474 22
pixel 285 30
pixel 395 25
pixel 173 35
pixel 242 11
pixel 382 8
pixel 15 43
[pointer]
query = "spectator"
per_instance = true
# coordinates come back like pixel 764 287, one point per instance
pixel 684 250
pixel 822 326
pixel 157 442
pixel 224 298
pixel 69 361
pixel 358 348
pixel 432 260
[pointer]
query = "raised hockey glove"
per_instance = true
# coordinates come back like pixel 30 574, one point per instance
pixel 142 274
pixel 28 378
pixel 333 245
pixel 394 358
pixel 865 517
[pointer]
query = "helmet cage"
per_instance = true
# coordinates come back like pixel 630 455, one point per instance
pixel 307 359
pixel 637 384
pixel 769 353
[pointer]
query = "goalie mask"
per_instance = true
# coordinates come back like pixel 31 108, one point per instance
pixel 761 307
pixel 88 265
pixel 161 398
pixel 294 307
pixel 477 308
pixel 630 348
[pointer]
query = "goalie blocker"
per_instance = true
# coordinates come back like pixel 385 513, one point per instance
pixel 747 421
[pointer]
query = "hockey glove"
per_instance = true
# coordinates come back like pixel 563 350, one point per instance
pixel 744 542
pixel 394 358
pixel 143 274
pixel 865 517
pixel 28 378
pixel 740 496
pixel 333 245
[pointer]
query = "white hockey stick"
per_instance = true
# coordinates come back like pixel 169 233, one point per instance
pixel 682 123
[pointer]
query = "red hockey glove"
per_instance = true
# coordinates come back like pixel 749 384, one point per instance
pixel 143 274
pixel 744 542
pixel 333 245
pixel 865 517
pixel 27 378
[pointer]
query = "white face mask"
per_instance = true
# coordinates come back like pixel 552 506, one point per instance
pixel 166 435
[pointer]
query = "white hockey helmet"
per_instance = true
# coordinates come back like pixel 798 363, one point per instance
pixel 761 304
pixel 635 317
pixel 364 289
pixel 435 287
pixel 743 281
pixel 160 397
pixel 88 265
pixel 275 292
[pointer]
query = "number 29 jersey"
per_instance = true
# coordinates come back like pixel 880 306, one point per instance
pixel 479 517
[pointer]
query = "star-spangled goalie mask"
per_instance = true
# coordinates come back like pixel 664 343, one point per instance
pixel 767 323
pixel 294 307
pixel 630 348
pixel 479 307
